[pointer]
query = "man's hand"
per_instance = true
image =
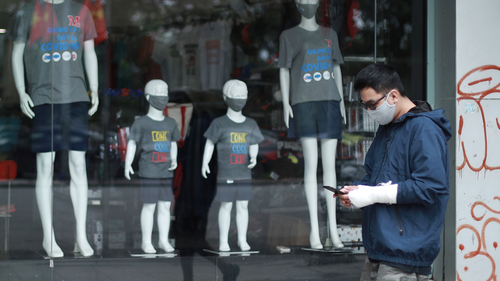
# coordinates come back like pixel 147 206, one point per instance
pixel 344 198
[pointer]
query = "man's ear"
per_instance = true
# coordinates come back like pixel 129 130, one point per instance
pixel 147 97
pixel 395 95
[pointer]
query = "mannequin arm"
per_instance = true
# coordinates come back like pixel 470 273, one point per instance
pixel 129 158
pixel 25 101
pixel 338 80
pixel 285 93
pixel 253 151
pixel 173 156
pixel 91 69
pixel 207 156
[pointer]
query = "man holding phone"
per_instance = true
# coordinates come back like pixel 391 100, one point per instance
pixel 406 189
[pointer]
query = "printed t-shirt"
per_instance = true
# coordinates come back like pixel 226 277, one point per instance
pixel 166 53
pixel 54 36
pixel 154 141
pixel 233 141
pixel 310 56
pixel 215 55
pixel 190 51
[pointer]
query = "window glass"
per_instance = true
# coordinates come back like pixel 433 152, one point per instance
pixel 170 128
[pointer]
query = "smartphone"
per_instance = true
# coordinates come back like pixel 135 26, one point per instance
pixel 334 190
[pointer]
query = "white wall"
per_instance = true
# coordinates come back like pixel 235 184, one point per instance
pixel 477 140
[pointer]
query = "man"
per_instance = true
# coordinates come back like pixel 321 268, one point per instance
pixel 405 192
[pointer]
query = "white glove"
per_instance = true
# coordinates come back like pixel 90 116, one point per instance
pixel 365 195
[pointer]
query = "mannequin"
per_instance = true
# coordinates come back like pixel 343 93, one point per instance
pixel 325 57
pixel 157 135
pixel 233 133
pixel 31 48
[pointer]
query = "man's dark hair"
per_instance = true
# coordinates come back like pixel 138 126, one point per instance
pixel 379 77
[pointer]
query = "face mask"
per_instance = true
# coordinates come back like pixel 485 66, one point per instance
pixel 158 102
pixel 383 114
pixel 235 104
pixel 307 10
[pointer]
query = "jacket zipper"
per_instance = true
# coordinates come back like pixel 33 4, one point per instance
pixel 399 220
pixel 398 216
pixel 388 135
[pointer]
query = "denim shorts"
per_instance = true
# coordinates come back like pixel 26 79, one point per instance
pixel 60 127
pixel 316 119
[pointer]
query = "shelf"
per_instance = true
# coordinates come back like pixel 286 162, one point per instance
pixel 363 59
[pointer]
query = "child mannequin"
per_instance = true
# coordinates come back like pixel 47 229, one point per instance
pixel 156 136
pixel 233 133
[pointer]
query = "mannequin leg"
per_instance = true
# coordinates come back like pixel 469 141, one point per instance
pixel 164 226
pixel 147 217
pixel 43 190
pixel 242 224
pixel 328 154
pixel 310 149
pixel 224 222
pixel 78 188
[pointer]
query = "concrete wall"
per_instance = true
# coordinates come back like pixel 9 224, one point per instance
pixel 477 140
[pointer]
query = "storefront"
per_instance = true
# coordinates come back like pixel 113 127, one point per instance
pixel 85 219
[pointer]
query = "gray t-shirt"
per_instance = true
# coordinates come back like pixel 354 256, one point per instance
pixel 310 55
pixel 54 36
pixel 233 141
pixel 154 141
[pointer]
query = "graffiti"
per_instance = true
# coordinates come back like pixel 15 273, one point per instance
pixel 478 102
pixel 481 246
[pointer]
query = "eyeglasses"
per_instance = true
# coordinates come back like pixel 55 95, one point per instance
pixel 372 105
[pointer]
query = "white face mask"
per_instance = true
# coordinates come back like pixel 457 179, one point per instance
pixel 383 114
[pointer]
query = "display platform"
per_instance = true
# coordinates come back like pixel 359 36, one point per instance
pixel 141 254
pixel 332 250
pixel 70 255
pixel 229 253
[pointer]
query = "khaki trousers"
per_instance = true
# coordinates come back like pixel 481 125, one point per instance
pixel 382 272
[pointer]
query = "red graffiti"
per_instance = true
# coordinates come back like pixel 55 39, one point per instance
pixel 480 238
pixel 475 86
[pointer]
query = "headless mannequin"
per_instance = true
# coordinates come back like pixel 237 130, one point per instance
pixel 45 160
pixel 241 205
pixel 148 209
pixel 310 150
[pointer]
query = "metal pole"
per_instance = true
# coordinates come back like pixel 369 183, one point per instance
pixel 7 219
pixel 375 34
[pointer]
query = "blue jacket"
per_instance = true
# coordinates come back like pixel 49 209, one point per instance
pixel 412 152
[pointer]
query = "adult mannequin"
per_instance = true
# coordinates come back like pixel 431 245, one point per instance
pixel 140 133
pixel 235 95
pixel 45 159
pixel 310 31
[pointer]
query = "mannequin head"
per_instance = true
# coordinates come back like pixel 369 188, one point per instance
pixel 307 8
pixel 156 92
pixel 235 94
